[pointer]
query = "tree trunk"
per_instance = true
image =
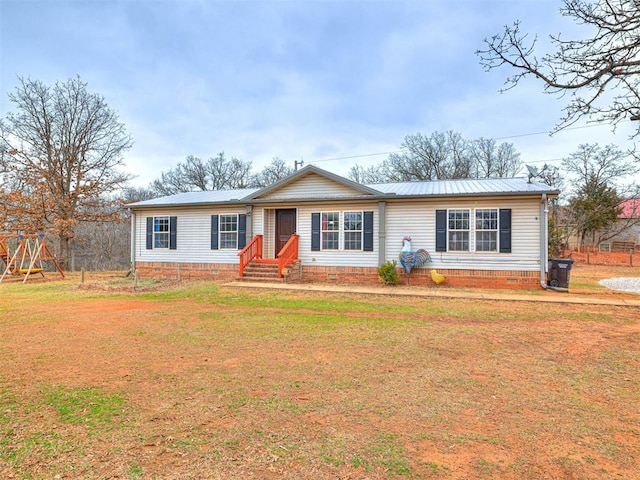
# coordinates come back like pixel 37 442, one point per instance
pixel 63 258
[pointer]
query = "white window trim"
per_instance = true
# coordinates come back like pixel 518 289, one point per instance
pixel 472 231
pixel 156 233
pixel 341 231
pixel 220 232
pixel 469 230
pixel 345 231
pixel 476 230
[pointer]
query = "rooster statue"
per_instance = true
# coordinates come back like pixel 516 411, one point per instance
pixel 409 259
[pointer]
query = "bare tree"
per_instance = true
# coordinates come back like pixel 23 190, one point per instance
pixel 493 160
pixel 595 205
pixel 228 174
pixel 435 157
pixel 217 173
pixel 442 156
pixel 136 194
pixel 600 71
pixel 66 145
pixel 370 175
pixel 275 171
pixel 606 165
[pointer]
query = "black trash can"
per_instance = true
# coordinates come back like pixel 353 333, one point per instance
pixel 559 272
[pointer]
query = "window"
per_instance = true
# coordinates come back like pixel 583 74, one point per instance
pixel 355 233
pixel 229 231
pixel 491 230
pixel 487 230
pixel 161 232
pixel 459 230
pixel 330 230
pixel 353 230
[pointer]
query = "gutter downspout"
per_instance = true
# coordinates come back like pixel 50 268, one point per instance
pixel 133 241
pixel 544 241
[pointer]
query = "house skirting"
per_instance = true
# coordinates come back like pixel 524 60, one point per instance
pixel 501 279
pixel 516 279
pixel 175 270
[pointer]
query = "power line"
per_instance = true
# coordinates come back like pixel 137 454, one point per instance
pixel 548 132
pixel 355 156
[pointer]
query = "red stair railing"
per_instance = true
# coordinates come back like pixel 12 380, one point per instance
pixel 288 254
pixel 252 251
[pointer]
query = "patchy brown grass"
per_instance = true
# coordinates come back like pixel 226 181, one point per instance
pixel 205 381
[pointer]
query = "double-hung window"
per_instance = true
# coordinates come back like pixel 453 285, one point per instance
pixel 473 230
pixel 486 230
pixel 352 230
pixel 458 230
pixel 161 232
pixel 342 231
pixel 229 231
pixel 330 230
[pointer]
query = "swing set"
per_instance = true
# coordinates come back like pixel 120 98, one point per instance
pixel 24 254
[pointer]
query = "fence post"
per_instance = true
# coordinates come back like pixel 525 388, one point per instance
pixel 631 257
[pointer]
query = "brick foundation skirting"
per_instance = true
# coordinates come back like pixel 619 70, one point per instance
pixel 507 279
pixel 214 271
pixel 512 279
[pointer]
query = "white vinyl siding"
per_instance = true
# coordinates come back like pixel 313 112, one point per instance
pixel 193 237
pixel 417 220
pixel 337 258
pixel 404 218
pixel 313 186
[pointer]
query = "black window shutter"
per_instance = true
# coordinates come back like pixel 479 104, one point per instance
pixel 315 232
pixel 173 232
pixel 242 231
pixel 367 230
pixel 441 230
pixel 214 232
pixel 149 233
pixel 505 230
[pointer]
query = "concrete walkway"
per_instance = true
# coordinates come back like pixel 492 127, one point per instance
pixel 516 296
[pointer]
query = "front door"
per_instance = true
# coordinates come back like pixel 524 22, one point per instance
pixel 285 227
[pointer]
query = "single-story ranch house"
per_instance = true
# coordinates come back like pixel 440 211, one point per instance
pixel 315 226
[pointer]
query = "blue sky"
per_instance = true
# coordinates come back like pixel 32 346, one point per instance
pixel 317 81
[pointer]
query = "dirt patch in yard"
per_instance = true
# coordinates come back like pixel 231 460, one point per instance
pixel 205 381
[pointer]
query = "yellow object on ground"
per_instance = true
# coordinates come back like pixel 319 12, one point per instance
pixel 437 278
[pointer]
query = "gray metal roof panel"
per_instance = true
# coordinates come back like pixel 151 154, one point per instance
pixel 463 187
pixel 196 198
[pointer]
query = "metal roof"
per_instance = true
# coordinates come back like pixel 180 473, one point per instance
pixel 437 188
pixel 468 186
pixel 197 198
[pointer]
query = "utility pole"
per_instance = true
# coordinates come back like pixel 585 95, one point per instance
pixel 296 163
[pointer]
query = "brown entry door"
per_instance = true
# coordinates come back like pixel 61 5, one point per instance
pixel 285 227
